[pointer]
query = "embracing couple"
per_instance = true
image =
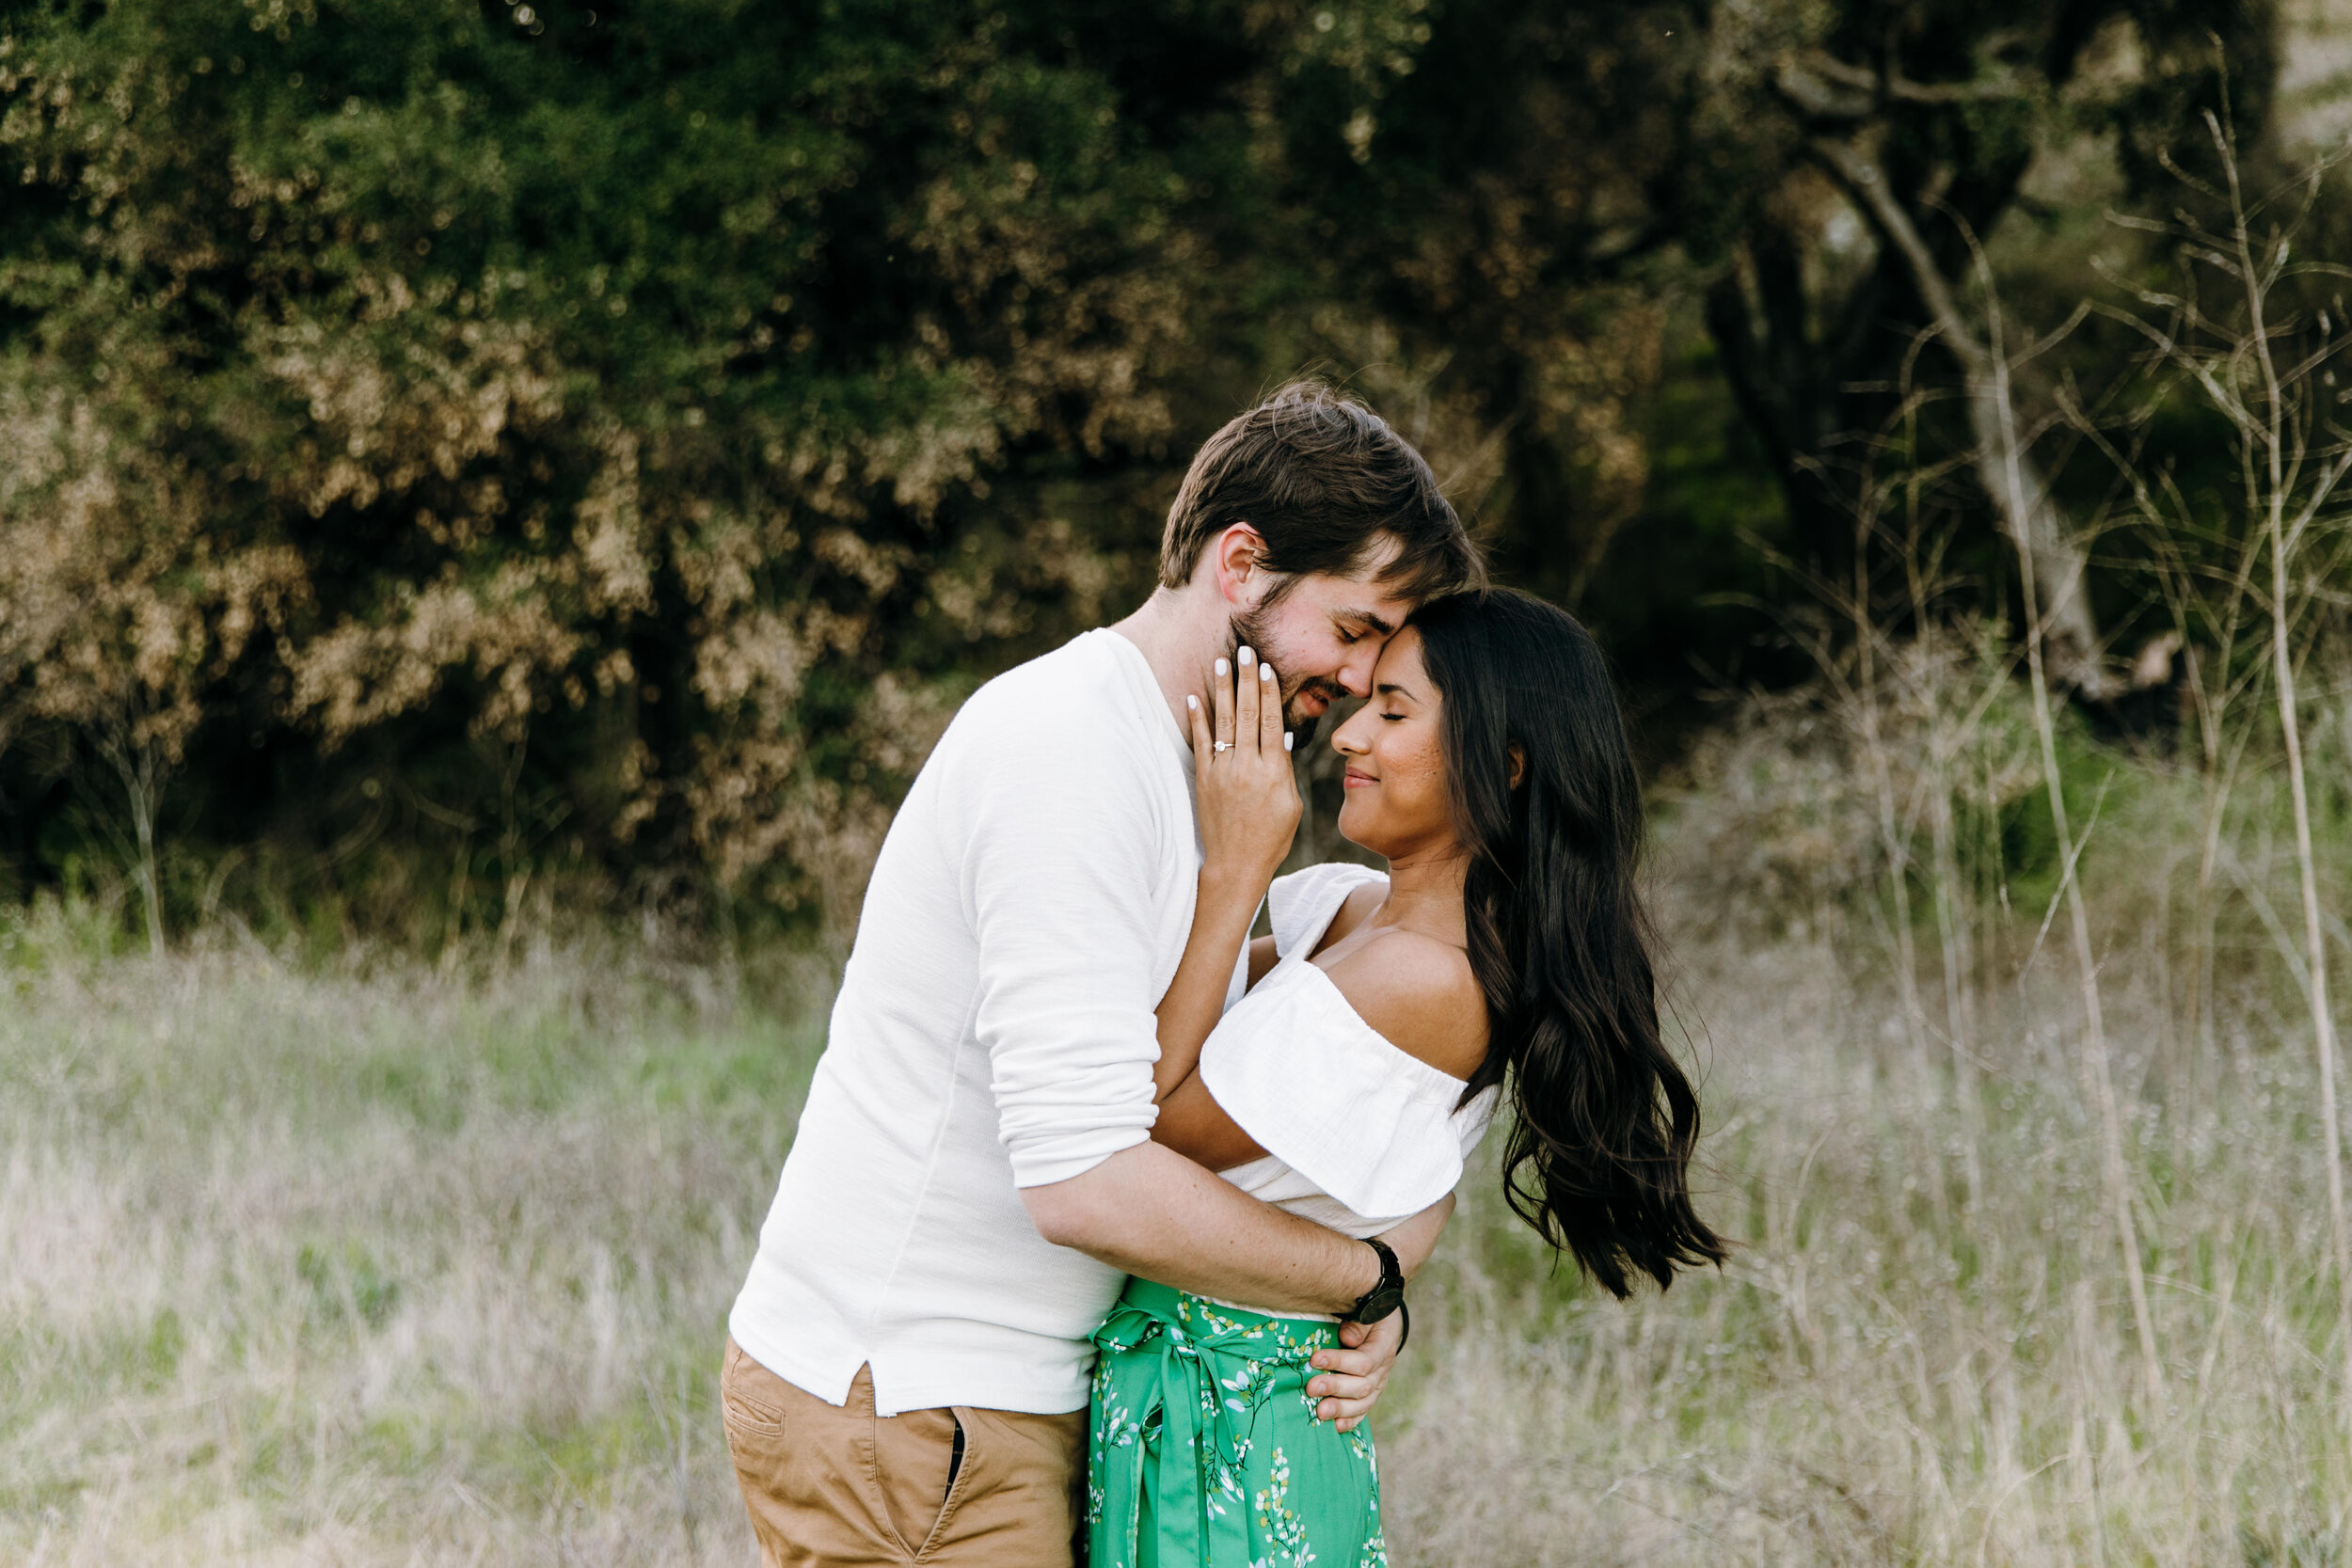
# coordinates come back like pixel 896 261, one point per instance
pixel 1094 1236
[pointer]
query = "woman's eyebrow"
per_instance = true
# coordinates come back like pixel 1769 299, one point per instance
pixel 1390 688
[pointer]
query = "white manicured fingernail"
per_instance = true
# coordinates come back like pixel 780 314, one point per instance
pixel 1246 655
pixel 1287 738
pixel 1265 672
pixel 1223 668
pixel 1193 703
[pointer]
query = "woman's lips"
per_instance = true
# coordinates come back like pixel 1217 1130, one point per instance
pixel 1353 780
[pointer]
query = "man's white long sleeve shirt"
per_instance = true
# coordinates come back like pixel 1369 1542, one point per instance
pixel 994 1031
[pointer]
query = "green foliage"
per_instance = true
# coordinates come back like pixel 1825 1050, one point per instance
pixel 461 456
pixel 532 416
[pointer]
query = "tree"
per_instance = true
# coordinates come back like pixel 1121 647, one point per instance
pixel 590 379
pixel 1923 120
pixel 632 426
pixel 1516 198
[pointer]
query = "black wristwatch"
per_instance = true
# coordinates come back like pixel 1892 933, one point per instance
pixel 1383 1298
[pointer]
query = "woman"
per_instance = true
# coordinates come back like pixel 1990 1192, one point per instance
pixel 1504 957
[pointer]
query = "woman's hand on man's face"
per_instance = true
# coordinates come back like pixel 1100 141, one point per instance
pixel 1247 796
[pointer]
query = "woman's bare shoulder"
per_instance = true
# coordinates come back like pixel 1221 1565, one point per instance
pixel 1420 994
pixel 1354 910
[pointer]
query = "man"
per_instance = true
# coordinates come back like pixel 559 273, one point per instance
pixel 907 1367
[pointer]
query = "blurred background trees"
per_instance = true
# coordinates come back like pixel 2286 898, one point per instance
pixel 458 451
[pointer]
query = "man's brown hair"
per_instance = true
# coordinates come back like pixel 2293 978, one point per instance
pixel 1322 478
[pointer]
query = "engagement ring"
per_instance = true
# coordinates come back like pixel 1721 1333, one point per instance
pixel 1222 746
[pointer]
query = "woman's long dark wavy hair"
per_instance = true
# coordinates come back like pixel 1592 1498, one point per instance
pixel 1605 1122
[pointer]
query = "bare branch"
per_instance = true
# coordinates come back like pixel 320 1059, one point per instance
pixel 2005 468
pixel 1886 85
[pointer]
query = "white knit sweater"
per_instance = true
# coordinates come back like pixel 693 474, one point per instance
pixel 994 1031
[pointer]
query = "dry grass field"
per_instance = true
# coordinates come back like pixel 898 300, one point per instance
pixel 376 1263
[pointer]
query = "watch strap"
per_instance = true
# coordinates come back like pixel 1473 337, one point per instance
pixel 1387 1294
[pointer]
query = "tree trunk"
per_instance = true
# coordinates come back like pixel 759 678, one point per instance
pixel 2011 479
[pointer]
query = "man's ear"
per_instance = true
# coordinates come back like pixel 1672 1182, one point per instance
pixel 1238 558
pixel 1519 764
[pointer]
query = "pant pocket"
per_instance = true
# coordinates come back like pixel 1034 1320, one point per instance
pixel 1022 1488
pixel 914 1470
pixel 749 1408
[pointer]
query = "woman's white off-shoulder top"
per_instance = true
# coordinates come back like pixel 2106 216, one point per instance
pixel 1358 1134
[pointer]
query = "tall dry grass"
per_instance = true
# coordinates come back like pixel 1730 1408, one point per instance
pixel 380 1263
pixel 1927 1350
pixel 374 1265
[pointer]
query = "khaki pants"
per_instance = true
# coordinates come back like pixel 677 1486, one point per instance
pixel 832 1485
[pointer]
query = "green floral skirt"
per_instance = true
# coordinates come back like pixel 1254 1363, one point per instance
pixel 1205 1449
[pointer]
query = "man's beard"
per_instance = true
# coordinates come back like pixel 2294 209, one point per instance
pixel 1250 629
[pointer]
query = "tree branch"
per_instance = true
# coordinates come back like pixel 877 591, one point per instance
pixel 2005 468
pixel 1827 88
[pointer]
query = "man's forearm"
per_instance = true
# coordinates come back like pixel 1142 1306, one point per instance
pixel 1151 1212
pixel 1414 1240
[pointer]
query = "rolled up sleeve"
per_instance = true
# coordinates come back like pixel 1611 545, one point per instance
pixel 1062 872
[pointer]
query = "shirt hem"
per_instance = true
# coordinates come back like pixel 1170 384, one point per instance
pixel 826 1378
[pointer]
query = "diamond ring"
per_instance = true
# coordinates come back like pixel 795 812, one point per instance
pixel 1222 746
